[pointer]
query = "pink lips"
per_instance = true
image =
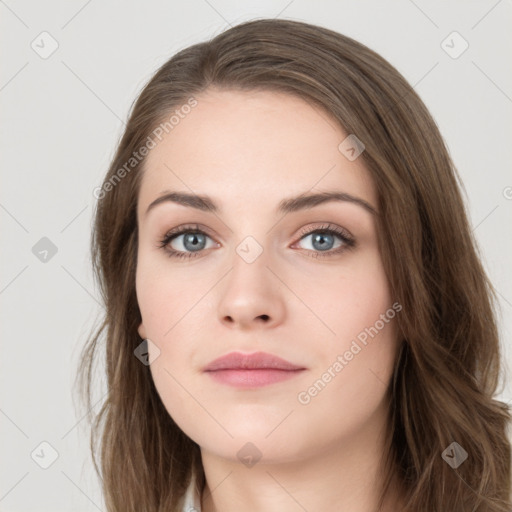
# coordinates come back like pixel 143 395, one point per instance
pixel 251 370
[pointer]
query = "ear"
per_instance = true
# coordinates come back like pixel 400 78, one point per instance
pixel 142 331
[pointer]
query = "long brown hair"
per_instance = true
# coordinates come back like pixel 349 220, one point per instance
pixel 447 372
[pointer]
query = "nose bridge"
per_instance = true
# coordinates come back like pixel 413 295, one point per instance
pixel 250 250
pixel 249 266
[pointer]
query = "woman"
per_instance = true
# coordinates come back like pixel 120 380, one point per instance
pixel 296 315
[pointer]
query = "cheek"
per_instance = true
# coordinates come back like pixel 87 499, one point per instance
pixel 344 303
pixel 168 304
pixel 357 346
pixel 167 297
pixel 349 385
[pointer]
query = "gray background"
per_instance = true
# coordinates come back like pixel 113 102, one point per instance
pixel 62 117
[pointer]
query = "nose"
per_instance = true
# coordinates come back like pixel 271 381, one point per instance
pixel 252 297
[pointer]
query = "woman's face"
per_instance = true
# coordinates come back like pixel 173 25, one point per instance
pixel 261 277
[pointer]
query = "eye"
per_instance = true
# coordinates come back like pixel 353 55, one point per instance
pixel 323 240
pixel 185 238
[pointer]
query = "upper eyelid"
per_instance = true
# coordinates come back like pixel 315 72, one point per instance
pixel 180 230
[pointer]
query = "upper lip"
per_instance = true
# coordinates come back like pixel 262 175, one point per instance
pixel 257 360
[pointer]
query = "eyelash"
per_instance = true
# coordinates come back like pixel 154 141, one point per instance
pixel 327 229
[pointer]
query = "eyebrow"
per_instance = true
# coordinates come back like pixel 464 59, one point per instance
pixel 302 202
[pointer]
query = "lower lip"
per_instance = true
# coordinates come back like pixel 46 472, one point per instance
pixel 252 378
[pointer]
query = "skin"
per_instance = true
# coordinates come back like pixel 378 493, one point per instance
pixel 248 151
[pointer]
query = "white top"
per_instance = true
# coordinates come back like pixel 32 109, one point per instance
pixel 192 497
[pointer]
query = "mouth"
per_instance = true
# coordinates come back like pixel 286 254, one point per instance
pixel 251 370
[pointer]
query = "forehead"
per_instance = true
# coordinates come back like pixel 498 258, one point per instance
pixel 252 145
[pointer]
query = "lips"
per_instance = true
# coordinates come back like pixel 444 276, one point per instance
pixel 256 361
pixel 250 371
